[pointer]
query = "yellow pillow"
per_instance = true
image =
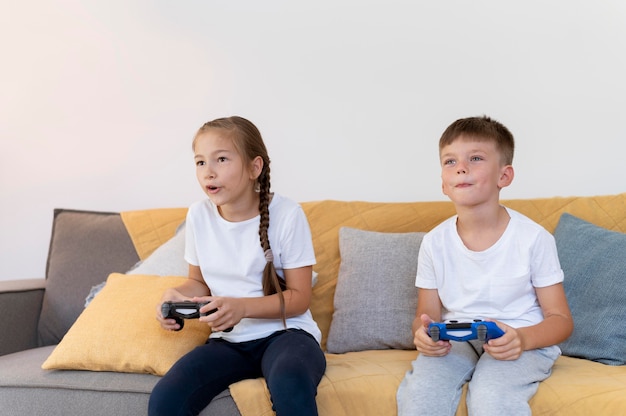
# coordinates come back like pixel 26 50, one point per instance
pixel 118 331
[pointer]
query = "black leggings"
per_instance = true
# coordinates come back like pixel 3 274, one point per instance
pixel 291 361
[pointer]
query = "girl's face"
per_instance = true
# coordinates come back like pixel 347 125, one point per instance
pixel 226 178
pixel 472 172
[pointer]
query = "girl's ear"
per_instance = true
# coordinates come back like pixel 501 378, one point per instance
pixel 256 167
pixel 506 176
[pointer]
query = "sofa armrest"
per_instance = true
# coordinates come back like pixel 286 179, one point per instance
pixel 20 307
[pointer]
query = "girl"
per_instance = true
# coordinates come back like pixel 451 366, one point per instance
pixel 257 276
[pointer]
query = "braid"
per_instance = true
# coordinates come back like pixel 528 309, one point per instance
pixel 271 282
pixel 249 143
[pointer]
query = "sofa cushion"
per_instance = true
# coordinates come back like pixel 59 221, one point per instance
pixel 376 297
pixel 168 259
pixel 27 389
pixel 118 331
pixel 85 247
pixel 151 228
pixel 594 262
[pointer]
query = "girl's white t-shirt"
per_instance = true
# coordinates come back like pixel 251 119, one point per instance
pixel 497 283
pixel 231 259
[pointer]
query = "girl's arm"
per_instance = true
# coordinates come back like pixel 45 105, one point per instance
pixel 194 286
pixel 297 296
pixel 297 299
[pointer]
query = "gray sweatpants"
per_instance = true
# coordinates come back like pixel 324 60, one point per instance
pixel 434 385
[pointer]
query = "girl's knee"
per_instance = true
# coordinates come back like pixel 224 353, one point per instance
pixel 160 403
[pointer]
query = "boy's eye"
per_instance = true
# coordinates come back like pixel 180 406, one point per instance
pixel 200 163
pixel 476 158
pixel 448 162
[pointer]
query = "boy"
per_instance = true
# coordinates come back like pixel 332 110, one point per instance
pixel 487 262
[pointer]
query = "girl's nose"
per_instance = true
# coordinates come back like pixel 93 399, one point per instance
pixel 209 173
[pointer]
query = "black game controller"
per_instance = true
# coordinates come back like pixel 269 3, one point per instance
pixel 185 310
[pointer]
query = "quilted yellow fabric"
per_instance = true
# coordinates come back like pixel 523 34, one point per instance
pixel 150 228
pixel 365 382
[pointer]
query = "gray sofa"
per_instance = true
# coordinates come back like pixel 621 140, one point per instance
pixel 365 252
pixel 84 248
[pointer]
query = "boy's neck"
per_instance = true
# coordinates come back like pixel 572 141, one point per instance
pixel 480 228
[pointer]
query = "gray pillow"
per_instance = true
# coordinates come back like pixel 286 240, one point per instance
pixel 85 247
pixel 594 262
pixel 376 297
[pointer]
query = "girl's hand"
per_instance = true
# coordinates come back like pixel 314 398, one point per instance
pixel 508 347
pixel 229 311
pixel 170 295
pixel 424 343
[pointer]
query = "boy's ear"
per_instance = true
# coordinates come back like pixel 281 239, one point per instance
pixel 506 176
pixel 256 167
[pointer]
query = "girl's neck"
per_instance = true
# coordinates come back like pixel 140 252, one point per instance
pixel 243 210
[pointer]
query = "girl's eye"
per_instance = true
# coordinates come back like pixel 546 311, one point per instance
pixel 221 159
pixel 200 163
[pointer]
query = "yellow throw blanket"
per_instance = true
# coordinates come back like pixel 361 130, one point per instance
pixel 365 382
pixel 355 383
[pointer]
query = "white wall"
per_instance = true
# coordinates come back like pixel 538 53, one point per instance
pixel 99 100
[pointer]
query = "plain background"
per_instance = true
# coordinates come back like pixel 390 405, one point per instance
pixel 99 100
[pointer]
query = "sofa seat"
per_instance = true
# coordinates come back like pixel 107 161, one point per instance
pixel 24 385
pixel 365 383
pixel 362 382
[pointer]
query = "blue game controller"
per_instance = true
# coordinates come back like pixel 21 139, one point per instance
pixel 464 331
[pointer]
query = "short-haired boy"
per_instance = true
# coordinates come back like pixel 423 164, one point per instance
pixel 487 262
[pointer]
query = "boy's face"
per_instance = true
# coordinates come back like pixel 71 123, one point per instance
pixel 472 172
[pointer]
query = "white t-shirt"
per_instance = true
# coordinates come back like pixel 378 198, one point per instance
pixel 231 259
pixel 496 283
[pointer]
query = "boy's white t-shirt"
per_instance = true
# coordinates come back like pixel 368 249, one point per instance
pixel 231 259
pixel 497 283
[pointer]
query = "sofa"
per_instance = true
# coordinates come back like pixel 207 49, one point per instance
pixel 84 341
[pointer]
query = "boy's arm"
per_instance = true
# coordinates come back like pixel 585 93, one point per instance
pixel 428 303
pixel 428 310
pixel 557 324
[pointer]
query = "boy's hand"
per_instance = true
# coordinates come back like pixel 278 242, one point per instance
pixel 508 347
pixel 424 343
